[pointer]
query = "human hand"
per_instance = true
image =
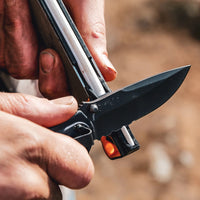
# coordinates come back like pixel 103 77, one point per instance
pixel 42 111
pixel 34 160
pixel 20 51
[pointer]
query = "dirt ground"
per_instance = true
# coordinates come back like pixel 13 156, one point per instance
pixel 144 39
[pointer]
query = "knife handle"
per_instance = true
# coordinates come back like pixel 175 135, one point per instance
pixel 77 127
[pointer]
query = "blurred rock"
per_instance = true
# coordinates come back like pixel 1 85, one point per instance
pixel 161 166
pixel 186 159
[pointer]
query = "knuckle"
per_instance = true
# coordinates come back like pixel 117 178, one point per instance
pixel 12 25
pixel 21 71
pixel 17 103
pixel 29 143
pixel 32 149
pixel 12 103
pixel 98 30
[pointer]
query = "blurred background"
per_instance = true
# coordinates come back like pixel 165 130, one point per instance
pixel 146 37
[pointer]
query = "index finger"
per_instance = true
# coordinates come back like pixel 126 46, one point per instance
pixel 89 18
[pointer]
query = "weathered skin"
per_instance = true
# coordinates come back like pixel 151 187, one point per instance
pixel 23 57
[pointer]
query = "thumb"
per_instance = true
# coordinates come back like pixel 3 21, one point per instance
pixel 89 18
pixel 39 110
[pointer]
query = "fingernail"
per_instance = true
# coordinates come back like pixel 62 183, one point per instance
pixel 69 100
pixel 108 64
pixel 47 61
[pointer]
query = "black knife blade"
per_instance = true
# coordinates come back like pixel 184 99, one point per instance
pixel 112 111
pixel 120 108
